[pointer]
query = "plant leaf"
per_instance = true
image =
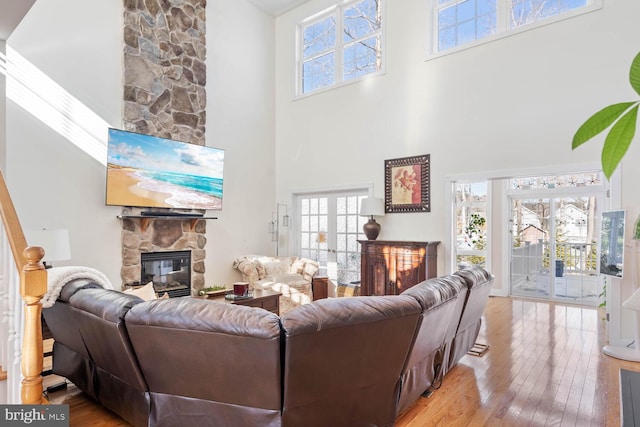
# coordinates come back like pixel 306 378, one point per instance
pixel 618 140
pixel 634 74
pixel 599 122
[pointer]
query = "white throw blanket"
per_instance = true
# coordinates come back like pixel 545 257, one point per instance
pixel 60 276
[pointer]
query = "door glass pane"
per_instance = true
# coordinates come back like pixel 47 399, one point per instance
pixel 313 229
pixel 576 249
pixel 324 206
pixel 554 249
pixel 471 224
pixel 348 251
pixel 530 253
pixel 352 223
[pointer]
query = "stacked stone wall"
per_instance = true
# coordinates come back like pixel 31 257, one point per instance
pixel 165 72
pixel 164 95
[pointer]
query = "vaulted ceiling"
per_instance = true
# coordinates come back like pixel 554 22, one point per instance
pixel 12 13
pixel 274 7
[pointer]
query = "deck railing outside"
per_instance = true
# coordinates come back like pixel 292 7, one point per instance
pixel 571 257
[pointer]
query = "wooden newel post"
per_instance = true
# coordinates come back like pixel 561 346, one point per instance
pixel 33 286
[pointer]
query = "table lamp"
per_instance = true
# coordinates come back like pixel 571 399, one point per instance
pixel 54 242
pixel 371 206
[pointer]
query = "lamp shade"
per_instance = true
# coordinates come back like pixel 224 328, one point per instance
pixel 54 242
pixel 372 206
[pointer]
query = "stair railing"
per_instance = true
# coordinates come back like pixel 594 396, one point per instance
pixel 32 282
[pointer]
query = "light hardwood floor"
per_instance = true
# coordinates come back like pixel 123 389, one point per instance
pixel 544 368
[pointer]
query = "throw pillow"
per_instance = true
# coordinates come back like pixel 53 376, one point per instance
pixel 310 269
pixel 146 292
pixel 298 266
pixel 347 290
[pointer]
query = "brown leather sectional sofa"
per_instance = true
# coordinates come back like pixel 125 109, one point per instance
pixel 357 361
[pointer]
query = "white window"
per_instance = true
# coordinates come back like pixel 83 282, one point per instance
pixel 461 22
pixel 471 224
pixel 340 44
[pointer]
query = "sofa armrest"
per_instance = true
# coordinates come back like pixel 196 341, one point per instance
pixel 251 270
pixel 310 269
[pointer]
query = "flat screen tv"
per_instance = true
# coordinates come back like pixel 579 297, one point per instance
pixel 150 172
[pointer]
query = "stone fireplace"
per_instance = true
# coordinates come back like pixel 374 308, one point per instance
pixel 149 235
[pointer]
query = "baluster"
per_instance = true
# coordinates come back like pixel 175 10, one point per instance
pixel 33 285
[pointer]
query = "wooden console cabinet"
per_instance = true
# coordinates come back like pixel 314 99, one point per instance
pixel 390 267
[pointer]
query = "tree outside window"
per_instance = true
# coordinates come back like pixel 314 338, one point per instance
pixel 342 44
pixel 462 22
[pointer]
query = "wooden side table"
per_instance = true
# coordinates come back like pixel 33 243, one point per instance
pixel 320 287
pixel 262 298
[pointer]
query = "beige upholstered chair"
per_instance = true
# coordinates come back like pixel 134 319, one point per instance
pixel 291 276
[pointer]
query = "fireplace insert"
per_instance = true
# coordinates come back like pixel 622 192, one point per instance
pixel 169 271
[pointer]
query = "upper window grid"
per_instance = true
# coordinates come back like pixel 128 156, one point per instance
pixel 460 23
pixel 360 46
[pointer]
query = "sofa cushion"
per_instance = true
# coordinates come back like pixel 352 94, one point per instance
pixel 219 362
pixel 120 385
pixel 291 280
pixel 437 297
pixel 145 292
pixel 343 360
pixel 276 267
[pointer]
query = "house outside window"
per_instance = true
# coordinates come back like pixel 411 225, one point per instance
pixel 341 44
pixel 462 22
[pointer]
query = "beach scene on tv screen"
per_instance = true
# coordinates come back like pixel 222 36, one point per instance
pixel 148 171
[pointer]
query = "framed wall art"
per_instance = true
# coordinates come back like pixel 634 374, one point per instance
pixel 406 184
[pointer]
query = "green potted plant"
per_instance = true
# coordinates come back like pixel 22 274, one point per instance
pixel 621 118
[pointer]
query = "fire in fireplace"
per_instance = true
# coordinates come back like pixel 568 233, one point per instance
pixel 169 271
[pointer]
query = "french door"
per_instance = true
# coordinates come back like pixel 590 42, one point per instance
pixel 329 228
pixel 554 250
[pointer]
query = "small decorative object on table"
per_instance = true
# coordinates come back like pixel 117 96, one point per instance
pixel 241 289
pixel 213 291
pixel 234 297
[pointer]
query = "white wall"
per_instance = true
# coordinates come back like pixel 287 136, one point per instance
pixel 53 183
pixel 81 49
pixel 512 103
pixel 241 119
pixel 3 112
